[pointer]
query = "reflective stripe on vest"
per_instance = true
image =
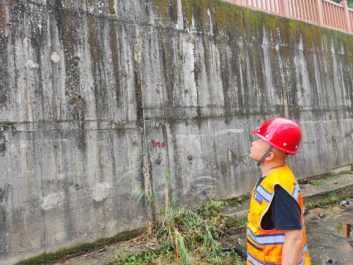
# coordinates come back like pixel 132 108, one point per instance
pixel 265 246
pixel 267 196
pixel 305 251
pixel 263 240
pixel 254 261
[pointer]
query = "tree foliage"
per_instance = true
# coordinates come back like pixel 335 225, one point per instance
pixel 350 2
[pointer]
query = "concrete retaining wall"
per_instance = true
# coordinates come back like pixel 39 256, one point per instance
pixel 99 98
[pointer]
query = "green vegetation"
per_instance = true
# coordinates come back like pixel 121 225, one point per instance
pixel 331 199
pixel 237 224
pixel 316 182
pixel 186 234
pixel 328 199
pixel 349 2
pixel 145 257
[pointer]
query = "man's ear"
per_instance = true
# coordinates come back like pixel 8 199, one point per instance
pixel 270 156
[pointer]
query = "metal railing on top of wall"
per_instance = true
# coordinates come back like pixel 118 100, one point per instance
pixel 320 12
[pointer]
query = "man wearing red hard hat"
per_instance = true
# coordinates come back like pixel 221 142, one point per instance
pixel 276 230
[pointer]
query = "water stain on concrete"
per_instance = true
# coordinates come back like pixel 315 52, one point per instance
pixel 2 147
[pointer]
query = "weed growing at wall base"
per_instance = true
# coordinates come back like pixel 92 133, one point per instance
pixel 186 235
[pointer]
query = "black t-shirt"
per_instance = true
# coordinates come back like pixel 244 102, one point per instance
pixel 284 211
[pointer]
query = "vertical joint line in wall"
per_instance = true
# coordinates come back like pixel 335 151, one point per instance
pixel 146 165
pixel 146 169
pixel 285 102
pixel 145 158
pixel 144 132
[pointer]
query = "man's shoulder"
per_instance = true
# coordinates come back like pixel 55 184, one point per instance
pixel 285 174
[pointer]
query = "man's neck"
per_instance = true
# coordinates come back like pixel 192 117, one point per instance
pixel 267 169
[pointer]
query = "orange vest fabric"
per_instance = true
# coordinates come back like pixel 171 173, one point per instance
pixel 265 246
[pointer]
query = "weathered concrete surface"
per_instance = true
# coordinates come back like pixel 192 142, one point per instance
pixel 98 98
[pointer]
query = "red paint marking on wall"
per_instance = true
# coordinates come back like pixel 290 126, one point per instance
pixel 156 144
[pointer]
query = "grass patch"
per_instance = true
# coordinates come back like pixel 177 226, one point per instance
pixel 234 223
pixel 237 201
pixel 189 235
pixel 60 255
pixel 316 182
pixel 328 198
pixel 145 257
pixel 331 199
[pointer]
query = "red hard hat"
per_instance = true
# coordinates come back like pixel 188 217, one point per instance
pixel 281 133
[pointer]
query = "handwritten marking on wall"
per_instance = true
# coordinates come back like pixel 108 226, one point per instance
pixel 156 144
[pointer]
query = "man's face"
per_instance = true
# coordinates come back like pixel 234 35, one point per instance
pixel 258 149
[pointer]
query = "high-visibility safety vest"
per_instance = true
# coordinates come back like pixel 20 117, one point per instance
pixel 265 246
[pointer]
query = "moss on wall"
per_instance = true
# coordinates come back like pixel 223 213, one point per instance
pixel 68 29
pixel 66 253
pixel 111 7
pixel 231 22
pixel 226 15
pixel 166 9
pixel 235 19
pixel 90 2
pixel 93 37
pixel 2 18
